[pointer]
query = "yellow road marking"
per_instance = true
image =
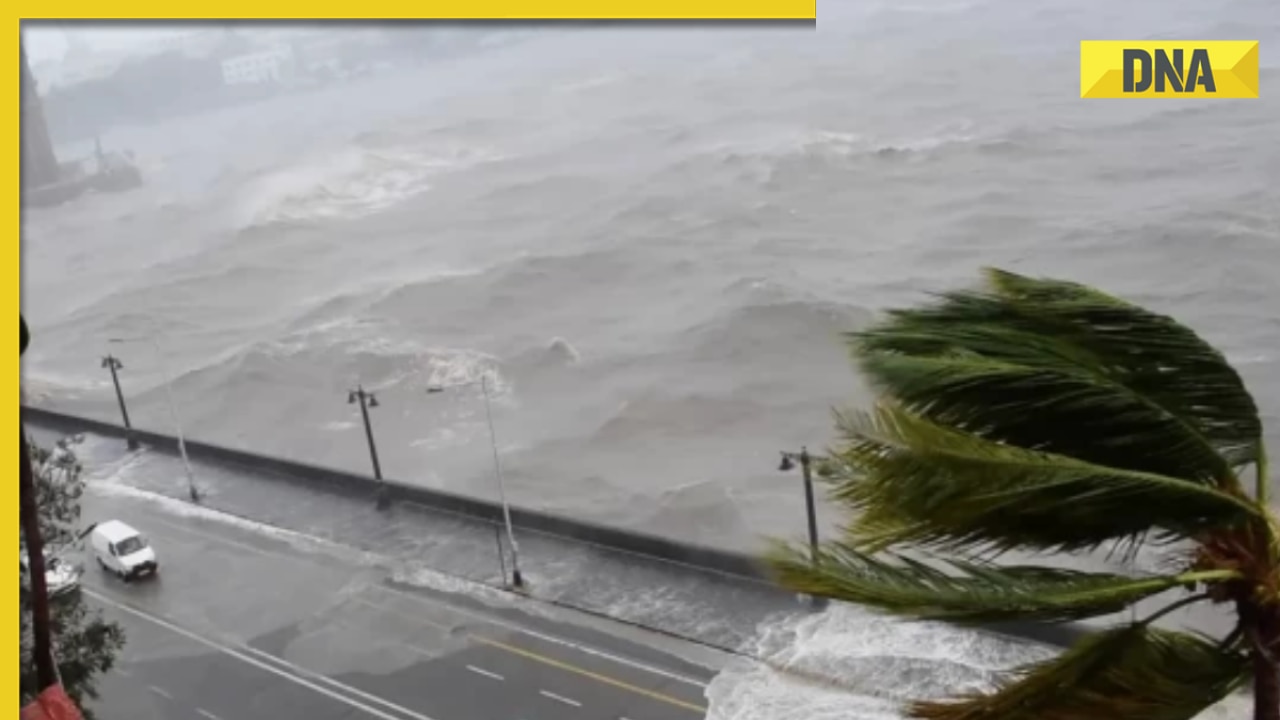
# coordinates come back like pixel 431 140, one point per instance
pixel 588 674
pixel 531 655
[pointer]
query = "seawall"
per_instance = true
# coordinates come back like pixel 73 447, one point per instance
pixel 727 568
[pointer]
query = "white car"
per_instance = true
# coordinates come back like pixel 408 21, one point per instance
pixel 122 550
pixel 60 576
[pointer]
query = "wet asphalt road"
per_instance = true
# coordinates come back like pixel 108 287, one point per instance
pixel 719 610
pixel 241 625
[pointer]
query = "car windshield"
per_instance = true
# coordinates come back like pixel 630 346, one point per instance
pixel 130 545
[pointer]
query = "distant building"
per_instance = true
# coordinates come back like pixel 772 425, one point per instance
pixel 274 65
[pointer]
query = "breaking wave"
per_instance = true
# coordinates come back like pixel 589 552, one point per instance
pixel 348 184
pixel 850 663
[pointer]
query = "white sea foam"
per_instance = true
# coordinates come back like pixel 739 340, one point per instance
pixel 851 664
pixel 113 486
pixel 749 690
pixel 425 364
pixel 562 349
pixel 37 384
pixel 453 367
pixel 417 576
pixel 448 436
pixel 349 184
pixel 345 333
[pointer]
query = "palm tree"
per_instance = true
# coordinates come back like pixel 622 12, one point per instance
pixel 46 670
pixel 1046 416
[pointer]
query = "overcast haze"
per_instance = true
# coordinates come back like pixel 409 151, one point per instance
pixel 47 41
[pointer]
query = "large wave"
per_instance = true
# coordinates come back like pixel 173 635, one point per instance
pixel 851 663
pixel 348 184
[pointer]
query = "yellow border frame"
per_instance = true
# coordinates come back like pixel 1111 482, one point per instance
pixel 12 298
pixel 786 10
pixel 452 10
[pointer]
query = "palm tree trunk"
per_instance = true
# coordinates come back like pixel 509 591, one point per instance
pixel 46 673
pixel 1262 625
pixel 1266 691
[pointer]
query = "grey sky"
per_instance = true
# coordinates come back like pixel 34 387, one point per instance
pixel 46 40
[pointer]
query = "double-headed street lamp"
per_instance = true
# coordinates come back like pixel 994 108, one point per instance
pixel 789 460
pixel 368 400
pixel 192 491
pixel 516 579
pixel 113 364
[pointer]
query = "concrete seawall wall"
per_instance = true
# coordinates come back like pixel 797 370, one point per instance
pixel 355 484
pixel 738 566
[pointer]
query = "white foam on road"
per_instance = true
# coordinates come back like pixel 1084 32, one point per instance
pixel 114 484
pixel 847 663
pixel 421 577
pixel 111 487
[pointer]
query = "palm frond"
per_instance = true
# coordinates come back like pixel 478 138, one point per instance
pixel 1135 672
pixel 1159 358
pixel 968 592
pixel 912 480
pixel 1064 368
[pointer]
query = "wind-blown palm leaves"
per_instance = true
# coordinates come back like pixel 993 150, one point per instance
pixel 1042 415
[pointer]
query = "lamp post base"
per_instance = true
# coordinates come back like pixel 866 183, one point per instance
pixel 384 499
pixel 193 493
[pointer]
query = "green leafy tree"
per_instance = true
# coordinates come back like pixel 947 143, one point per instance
pixel 85 645
pixel 1042 416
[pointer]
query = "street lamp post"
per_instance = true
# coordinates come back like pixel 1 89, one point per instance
pixel 113 364
pixel 788 462
pixel 192 491
pixel 368 400
pixel 517 580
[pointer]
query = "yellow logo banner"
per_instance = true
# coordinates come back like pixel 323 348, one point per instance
pixel 1169 69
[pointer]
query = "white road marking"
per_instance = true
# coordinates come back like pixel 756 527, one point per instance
pixel 243 657
pixel 499 622
pixel 160 692
pixel 317 677
pixel 207 714
pixel 486 673
pixel 560 698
